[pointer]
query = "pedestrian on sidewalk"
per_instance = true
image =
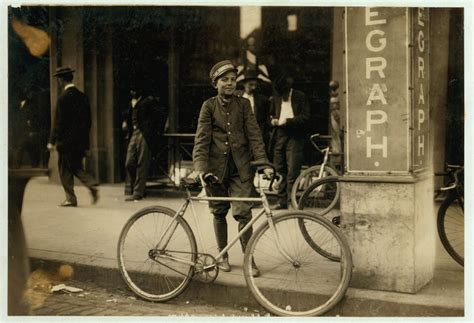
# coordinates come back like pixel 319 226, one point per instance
pixel 227 135
pixel 145 120
pixel 70 135
pixel 289 112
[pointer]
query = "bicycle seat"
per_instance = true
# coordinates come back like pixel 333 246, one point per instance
pixel 195 183
pixel 190 183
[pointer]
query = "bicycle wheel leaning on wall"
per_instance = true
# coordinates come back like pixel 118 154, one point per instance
pixel 451 215
pixel 322 198
pixel 309 176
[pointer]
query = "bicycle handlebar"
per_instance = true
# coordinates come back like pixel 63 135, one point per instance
pixel 457 169
pixel 316 136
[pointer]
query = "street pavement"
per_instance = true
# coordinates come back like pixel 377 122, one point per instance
pixel 107 301
pixel 87 236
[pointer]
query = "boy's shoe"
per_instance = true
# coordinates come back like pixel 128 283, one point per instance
pixel 224 264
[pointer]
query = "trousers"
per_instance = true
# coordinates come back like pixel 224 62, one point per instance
pixel 70 165
pixel 231 185
pixel 287 158
pixel 136 163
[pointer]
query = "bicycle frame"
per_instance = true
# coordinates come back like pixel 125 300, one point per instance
pixel 189 201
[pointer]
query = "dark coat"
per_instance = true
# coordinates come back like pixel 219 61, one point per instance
pixel 72 123
pixel 262 115
pixel 296 126
pixel 223 130
pixel 151 119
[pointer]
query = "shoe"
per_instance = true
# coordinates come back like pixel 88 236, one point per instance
pixel 68 204
pixel 255 270
pixel 279 207
pixel 133 198
pixel 224 265
pixel 95 195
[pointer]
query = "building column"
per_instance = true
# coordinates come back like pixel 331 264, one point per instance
pixel 387 190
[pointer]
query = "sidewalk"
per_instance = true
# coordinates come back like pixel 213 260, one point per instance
pixel 87 237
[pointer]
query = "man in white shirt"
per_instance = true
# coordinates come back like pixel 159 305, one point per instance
pixel 289 112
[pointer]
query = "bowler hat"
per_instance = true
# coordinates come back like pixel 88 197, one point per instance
pixel 63 70
pixel 250 75
pixel 220 69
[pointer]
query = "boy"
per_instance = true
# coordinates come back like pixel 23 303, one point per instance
pixel 227 135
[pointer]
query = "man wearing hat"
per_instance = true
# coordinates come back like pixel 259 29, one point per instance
pixel 70 135
pixel 145 119
pixel 258 102
pixel 290 113
pixel 227 135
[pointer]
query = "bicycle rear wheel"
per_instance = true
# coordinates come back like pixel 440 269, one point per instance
pixel 153 268
pixel 304 283
pixel 306 178
pixel 321 198
pixel 451 226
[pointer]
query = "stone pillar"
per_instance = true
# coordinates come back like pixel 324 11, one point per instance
pixel 387 190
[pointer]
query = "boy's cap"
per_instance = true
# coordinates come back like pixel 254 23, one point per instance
pixel 220 69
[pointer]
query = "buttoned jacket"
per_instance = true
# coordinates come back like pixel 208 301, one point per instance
pixel 224 129
pixel 72 123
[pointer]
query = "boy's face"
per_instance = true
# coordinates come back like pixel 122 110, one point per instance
pixel 226 84
pixel 250 86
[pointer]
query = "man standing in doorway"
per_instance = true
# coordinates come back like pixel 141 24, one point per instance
pixel 290 113
pixel 258 102
pixel 144 122
pixel 70 135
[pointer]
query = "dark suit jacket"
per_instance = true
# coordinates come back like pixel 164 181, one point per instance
pixel 151 119
pixel 223 130
pixel 296 127
pixel 72 123
pixel 261 108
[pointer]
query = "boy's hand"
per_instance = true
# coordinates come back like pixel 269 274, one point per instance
pixel 268 172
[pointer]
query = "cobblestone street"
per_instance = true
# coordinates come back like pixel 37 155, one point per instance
pixel 99 301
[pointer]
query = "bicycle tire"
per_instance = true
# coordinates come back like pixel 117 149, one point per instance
pixel 156 280
pixel 320 199
pixel 309 285
pixel 306 178
pixel 451 226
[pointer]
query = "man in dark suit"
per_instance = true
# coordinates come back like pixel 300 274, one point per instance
pixel 289 112
pixel 70 135
pixel 258 102
pixel 144 122
pixel 226 138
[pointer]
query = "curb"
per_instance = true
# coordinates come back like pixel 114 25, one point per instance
pixel 228 295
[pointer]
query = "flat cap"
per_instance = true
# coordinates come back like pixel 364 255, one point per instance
pixel 63 70
pixel 220 69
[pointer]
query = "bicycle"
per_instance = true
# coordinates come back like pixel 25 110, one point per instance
pixel 315 172
pixel 450 220
pixel 158 256
pixel 322 198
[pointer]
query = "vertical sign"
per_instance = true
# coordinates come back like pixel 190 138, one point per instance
pixel 421 94
pixel 377 90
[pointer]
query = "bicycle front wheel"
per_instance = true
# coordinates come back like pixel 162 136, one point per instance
pixel 294 279
pixel 451 227
pixel 156 252
pixel 306 178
